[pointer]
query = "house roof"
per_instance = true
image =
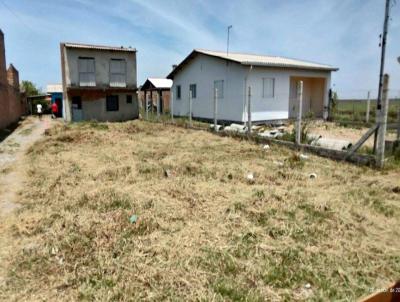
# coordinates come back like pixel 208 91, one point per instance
pixel 256 60
pixel 54 88
pixel 99 47
pixel 158 83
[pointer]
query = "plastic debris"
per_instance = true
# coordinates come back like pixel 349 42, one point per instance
pixel 307 286
pixel 278 163
pixel 303 156
pixel 313 176
pixel 250 177
pixel 133 219
pixel 266 147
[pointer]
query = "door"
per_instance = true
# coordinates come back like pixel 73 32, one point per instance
pixel 59 107
pixel 77 114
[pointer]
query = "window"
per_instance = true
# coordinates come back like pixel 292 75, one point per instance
pixel 117 73
pixel 129 99
pixel 86 69
pixel 268 88
pixel 220 86
pixel 112 103
pixel 193 90
pixel 178 92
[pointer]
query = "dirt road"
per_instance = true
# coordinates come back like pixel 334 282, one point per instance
pixel 12 151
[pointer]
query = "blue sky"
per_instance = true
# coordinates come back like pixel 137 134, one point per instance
pixel 343 33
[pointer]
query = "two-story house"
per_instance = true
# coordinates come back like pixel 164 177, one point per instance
pixel 99 82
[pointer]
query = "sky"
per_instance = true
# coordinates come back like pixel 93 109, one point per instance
pixel 342 33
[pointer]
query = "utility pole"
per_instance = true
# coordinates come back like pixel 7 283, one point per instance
pixel 383 53
pixel 382 120
pixel 227 42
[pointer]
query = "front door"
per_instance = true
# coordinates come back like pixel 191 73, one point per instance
pixel 77 114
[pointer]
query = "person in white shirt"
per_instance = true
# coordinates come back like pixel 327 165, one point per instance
pixel 39 110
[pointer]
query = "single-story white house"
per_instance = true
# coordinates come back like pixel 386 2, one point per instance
pixel 273 81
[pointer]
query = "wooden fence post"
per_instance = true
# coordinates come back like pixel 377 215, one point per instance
pixel 249 111
pixel 215 109
pixel 368 107
pixel 300 111
pixel 190 108
pixel 380 146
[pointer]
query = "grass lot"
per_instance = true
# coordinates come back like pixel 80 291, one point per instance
pixel 356 111
pixel 204 232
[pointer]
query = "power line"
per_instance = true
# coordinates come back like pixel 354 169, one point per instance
pixel 16 15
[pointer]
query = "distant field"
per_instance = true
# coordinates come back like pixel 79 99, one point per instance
pixel 203 231
pixel 356 110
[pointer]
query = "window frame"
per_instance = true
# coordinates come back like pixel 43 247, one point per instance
pixel 178 92
pixel 269 96
pixel 124 74
pixel 86 72
pixel 108 109
pixel 193 92
pixel 129 98
pixel 221 92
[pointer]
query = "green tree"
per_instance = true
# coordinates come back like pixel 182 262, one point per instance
pixel 29 88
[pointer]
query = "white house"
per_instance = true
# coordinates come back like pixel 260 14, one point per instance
pixel 273 82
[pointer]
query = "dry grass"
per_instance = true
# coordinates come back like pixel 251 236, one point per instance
pixel 203 233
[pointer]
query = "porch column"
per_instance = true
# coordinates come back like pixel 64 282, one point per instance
pixel 326 98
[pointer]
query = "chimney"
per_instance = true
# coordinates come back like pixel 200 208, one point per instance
pixel 3 72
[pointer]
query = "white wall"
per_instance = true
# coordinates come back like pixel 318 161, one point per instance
pixel 203 71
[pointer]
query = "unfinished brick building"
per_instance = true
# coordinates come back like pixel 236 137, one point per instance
pixel 11 103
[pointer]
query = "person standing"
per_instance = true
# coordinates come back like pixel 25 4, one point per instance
pixel 54 110
pixel 39 110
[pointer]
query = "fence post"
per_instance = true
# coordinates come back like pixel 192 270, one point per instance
pixel 190 108
pixel 398 123
pixel 368 107
pixel 171 105
pixel 147 107
pixel 380 147
pixel 159 100
pixel 215 109
pixel 300 111
pixel 249 111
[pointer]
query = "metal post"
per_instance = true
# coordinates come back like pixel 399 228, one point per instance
pixel 380 147
pixel 215 109
pixel 190 108
pixel 249 111
pixel 300 111
pixel 147 107
pixel 368 107
pixel 171 102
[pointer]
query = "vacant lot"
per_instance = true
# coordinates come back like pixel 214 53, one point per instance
pixel 203 230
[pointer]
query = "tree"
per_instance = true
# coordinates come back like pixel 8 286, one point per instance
pixel 29 88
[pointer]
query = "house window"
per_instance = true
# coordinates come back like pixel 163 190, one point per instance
pixel 193 90
pixel 129 99
pixel 77 102
pixel 117 73
pixel 178 92
pixel 220 86
pixel 112 103
pixel 268 88
pixel 86 69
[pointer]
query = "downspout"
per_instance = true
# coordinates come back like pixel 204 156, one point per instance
pixel 244 111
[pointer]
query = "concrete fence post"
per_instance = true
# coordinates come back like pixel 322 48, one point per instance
pixel 215 109
pixel 171 105
pixel 249 111
pixel 159 100
pixel 190 108
pixel 382 121
pixel 398 123
pixel 299 112
pixel 368 107
pixel 147 106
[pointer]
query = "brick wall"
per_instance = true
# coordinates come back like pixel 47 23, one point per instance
pixel 11 104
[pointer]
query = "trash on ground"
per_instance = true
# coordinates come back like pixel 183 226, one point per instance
pixel 133 219
pixel 303 156
pixel 266 147
pixel 278 163
pixel 219 127
pixel 250 177
pixel 167 173
pixel 307 286
pixel 313 176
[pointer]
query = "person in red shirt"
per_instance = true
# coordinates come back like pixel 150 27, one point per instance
pixel 54 110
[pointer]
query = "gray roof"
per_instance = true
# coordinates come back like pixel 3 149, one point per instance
pixel 257 60
pixel 99 47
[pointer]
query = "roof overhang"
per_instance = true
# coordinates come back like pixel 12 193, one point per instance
pixel 98 47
